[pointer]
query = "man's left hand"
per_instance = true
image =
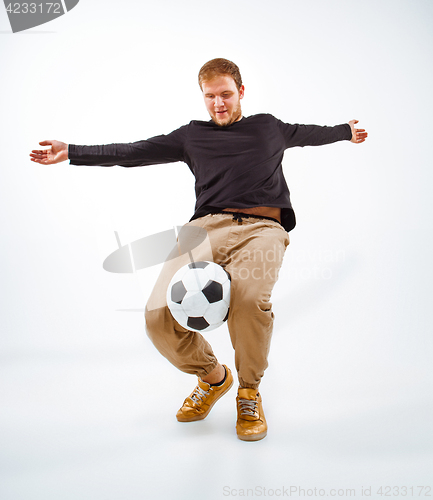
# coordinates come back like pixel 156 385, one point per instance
pixel 358 134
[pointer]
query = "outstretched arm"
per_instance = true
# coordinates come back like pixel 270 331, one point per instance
pixel 159 149
pixel 358 134
pixel 57 153
pixel 317 135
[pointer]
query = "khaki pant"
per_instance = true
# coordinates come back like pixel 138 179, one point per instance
pixel 251 251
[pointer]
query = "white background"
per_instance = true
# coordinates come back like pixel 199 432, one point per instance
pixel 87 403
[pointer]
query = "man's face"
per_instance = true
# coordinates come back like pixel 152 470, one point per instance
pixel 222 99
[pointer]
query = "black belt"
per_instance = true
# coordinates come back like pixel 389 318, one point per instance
pixel 238 216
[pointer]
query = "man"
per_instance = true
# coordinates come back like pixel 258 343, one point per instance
pixel 243 203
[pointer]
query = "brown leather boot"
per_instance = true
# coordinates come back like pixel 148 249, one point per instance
pixel 200 402
pixel 251 424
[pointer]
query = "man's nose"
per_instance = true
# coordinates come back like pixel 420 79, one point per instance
pixel 218 102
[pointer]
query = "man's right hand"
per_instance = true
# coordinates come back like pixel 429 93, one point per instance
pixel 57 153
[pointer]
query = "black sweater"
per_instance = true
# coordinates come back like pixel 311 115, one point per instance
pixel 239 166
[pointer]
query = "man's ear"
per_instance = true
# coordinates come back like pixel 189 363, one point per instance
pixel 241 92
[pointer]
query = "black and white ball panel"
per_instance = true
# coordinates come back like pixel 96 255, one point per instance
pixel 178 292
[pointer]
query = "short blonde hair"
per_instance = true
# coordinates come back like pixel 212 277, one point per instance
pixel 219 67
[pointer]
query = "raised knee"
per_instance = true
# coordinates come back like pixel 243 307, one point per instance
pixel 153 319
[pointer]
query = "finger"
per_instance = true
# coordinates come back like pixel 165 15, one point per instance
pixel 38 155
pixel 46 143
pixel 41 151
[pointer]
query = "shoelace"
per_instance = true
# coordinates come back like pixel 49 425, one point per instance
pixel 199 394
pixel 248 407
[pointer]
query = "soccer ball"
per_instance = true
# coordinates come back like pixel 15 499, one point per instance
pixel 199 296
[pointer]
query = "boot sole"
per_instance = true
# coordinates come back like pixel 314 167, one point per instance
pixel 204 415
pixel 253 437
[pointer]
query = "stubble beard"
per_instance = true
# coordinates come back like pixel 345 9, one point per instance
pixel 237 113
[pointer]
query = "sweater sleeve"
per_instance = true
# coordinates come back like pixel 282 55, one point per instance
pixel 313 135
pixel 160 149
